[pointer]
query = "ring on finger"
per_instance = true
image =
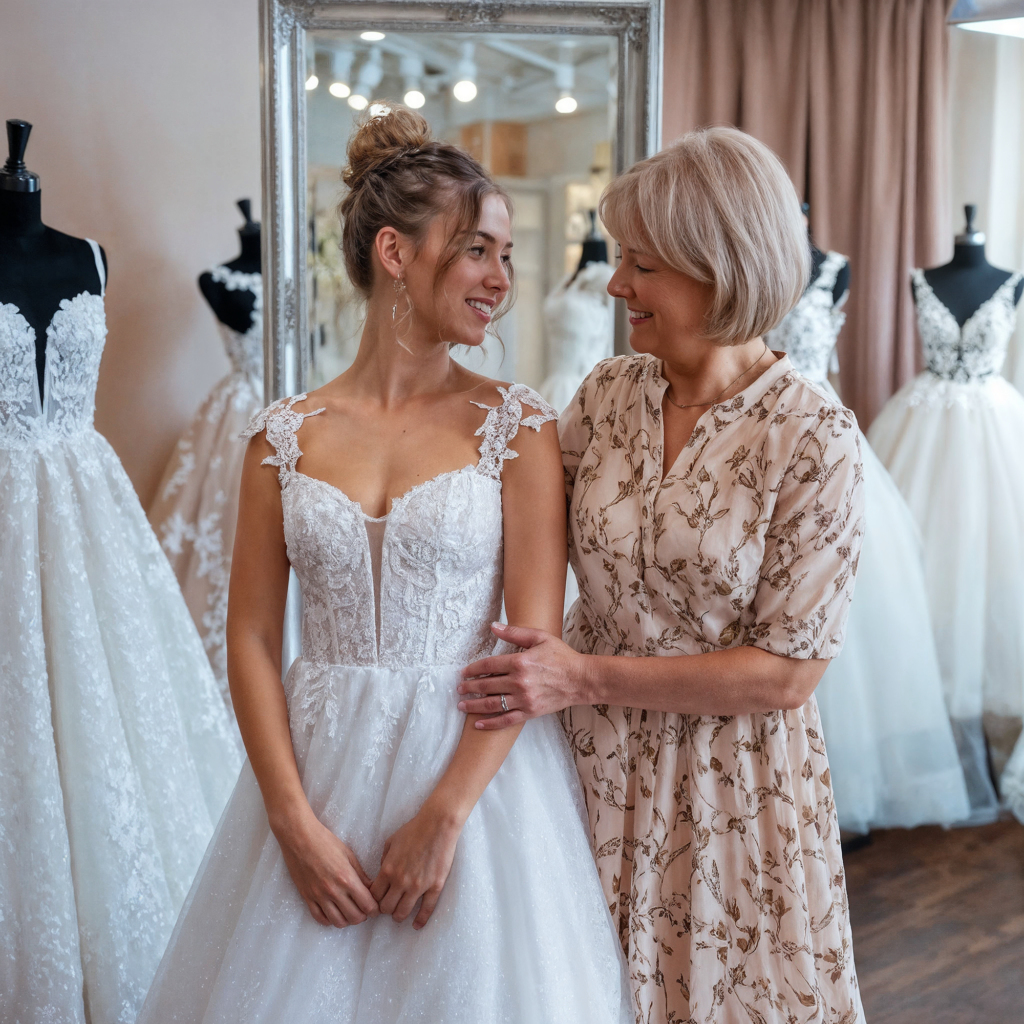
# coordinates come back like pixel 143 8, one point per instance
pixel 504 703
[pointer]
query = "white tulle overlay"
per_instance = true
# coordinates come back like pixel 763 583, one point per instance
pixel 951 439
pixel 521 933
pixel 196 503
pixel 116 753
pixel 891 749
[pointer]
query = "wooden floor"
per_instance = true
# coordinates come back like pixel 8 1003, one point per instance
pixel 938 925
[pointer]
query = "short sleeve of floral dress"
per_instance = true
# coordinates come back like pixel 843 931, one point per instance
pixel 716 837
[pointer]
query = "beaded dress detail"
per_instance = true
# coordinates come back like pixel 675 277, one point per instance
pixel 393 607
pixel 116 753
pixel 891 749
pixel 196 504
pixel 951 439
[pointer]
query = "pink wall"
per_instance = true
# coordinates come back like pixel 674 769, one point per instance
pixel 146 131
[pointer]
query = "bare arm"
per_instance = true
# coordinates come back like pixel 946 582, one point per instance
pixel 419 855
pixel 325 871
pixel 550 676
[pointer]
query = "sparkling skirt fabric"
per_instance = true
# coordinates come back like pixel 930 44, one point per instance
pixel 520 934
pixel 116 752
pixel 891 749
pixel 955 451
pixel 196 507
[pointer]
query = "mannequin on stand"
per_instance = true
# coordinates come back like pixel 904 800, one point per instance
pixel 951 438
pixel 116 752
pixel 196 504
pixel 38 265
pixel 968 279
pixel 891 748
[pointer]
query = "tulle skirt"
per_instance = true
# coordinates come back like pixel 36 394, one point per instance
pixel 116 752
pixel 890 746
pixel 521 932
pixel 196 506
pixel 956 452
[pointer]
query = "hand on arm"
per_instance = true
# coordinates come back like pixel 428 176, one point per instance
pixel 418 857
pixel 325 871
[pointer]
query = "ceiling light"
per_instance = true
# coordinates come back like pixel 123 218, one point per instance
pixel 341 70
pixel 565 104
pixel 371 36
pixel 565 79
pixel 1003 27
pixel 464 90
pixel 357 102
pixel 370 75
pixel 311 83
pixel 414 98
pixel 410 67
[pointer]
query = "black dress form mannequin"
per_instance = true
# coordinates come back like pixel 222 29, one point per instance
pixel 968 279
pixel 595 248
pixel 842 285
pixel 234 307
pixel 38 266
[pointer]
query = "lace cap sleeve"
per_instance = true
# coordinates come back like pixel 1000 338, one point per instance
pixel 503 422
pixel 281 423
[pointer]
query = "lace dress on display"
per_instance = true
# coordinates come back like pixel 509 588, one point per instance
pixel 952 440
pixel 196 503
pixel 891 750
pixel 116 752
pixel 392 609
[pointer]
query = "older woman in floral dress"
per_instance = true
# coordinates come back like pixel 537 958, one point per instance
pixel 715 522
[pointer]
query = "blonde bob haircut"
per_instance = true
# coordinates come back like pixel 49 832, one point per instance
pixel 718 206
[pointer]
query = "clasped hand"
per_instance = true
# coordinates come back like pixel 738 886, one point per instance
pixel 414 866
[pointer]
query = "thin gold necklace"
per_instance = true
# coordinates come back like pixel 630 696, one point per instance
pixel 697 405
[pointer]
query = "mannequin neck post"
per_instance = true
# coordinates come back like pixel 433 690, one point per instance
pixel 248 259
pixel 21 214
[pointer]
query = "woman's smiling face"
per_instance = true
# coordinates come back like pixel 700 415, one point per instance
pixel 666 307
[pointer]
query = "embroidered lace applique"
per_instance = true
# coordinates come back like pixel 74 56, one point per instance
pixel 808 333
pixel 978 349
pixel 244 350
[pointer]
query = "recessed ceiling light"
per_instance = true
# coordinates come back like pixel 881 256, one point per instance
pixel 464 91
pixel 371 36
pixel 312 82
pixel 339 89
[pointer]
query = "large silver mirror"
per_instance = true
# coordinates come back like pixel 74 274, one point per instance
pixel 552 97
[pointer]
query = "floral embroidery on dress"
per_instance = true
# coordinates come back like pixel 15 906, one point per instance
pixel 715 836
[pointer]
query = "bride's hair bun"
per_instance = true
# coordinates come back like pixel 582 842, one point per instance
pixel 398 176
pixel 382 139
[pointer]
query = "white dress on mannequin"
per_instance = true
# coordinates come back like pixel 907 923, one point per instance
pixel 953 440
pixel 196 504
pixel 891 750
pixel 579 320
pixel 392 609
pixel 116 752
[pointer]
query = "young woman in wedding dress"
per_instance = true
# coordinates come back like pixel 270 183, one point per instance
pixel 382 859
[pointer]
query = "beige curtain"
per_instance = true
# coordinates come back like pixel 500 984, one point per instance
pixel 852 95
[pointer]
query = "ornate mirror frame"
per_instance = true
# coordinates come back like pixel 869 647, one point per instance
pixel 636 24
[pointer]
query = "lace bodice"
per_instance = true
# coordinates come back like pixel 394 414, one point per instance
pixel 978 349
pixel 808 333
pixel 244 350
pixel 440 558
pixel 74 345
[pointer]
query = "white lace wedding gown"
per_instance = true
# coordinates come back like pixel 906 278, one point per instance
pixel 953 440
pixel 116 753
pixel 890 745
pixel 196 504
pixel 393 608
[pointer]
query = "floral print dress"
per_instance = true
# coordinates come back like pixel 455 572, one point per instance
pixel 715 836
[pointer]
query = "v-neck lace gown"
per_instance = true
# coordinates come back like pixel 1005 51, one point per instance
pixel 116 752
pixel 953 441
pixel 392 610
pixel 196 504
pixel 716 836
pixel 890 745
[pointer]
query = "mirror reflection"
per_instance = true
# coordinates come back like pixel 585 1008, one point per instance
pixel 538 112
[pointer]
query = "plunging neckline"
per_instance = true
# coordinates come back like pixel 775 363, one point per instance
pixel 62 307
pixel 401 499
pixel 949 313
